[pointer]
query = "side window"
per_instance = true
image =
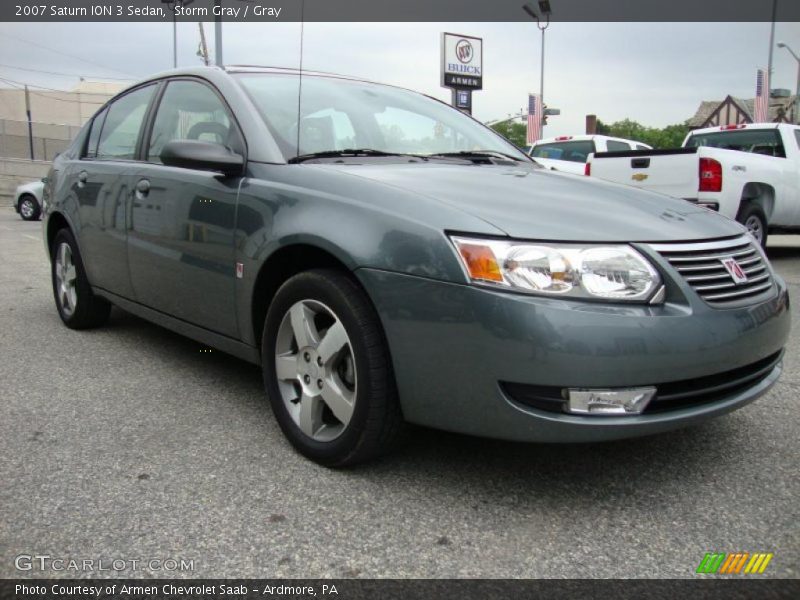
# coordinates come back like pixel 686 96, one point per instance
pixel 123 121
pixel 640 147
pixel 94 134
pixel 797 137
pixel 577 151
pixel 614 146
pixel 190 110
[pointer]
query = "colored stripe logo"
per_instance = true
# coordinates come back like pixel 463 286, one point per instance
pixel 734 563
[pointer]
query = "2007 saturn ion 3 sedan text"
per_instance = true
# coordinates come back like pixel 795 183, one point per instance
pixel 387 259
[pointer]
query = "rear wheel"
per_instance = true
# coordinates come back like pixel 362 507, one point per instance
pixel 754 219
pixel 327 370
pixel 78 306
pixel 29 208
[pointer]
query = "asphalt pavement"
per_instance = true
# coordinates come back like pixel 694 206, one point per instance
pixel 129 443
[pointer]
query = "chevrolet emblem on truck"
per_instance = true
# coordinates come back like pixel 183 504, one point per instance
pixel 639 176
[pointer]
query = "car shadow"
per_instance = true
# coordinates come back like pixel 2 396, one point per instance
pixel 487 470
pixel 783 252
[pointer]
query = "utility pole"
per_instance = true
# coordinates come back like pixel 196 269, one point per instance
pixel 30 122
pixel 218 33
pixel 203 47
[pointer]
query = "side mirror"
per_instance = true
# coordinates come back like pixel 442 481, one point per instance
pixel 203 156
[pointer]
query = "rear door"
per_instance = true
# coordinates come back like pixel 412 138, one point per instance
pixel 181 237
pixel 102 184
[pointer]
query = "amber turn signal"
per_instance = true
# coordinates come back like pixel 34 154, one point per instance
pixel 480 262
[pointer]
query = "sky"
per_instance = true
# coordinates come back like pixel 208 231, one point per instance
pixel 654 73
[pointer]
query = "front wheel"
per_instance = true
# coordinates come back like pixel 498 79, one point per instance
pixel 754 219
pixel 327 370
pixel 29 208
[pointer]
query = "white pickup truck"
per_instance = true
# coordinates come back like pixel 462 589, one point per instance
pixel 750 173
pixel 569 153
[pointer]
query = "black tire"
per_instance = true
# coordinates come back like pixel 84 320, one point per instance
pixel 752 216
pixel 376 419
pixel 89 310
pixel 28 208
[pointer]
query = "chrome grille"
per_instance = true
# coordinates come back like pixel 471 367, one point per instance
pixel 701 266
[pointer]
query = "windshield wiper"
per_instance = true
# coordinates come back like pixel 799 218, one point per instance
pixel 475 154
pixel 347 152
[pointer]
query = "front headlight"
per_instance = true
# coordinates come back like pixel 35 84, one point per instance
pixel 614 272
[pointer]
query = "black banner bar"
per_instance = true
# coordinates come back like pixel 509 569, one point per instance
pixel 384 589
pixel 398 10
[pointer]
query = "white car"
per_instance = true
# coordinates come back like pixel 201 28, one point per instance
pixel 569 153
pixel 28 200
pixel 750 173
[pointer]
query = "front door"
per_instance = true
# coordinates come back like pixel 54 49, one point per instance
pixel 181 235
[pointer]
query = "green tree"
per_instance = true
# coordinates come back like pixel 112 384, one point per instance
pixel 513 131
pixel 668 137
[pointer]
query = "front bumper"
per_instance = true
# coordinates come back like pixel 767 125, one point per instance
pixel 454 347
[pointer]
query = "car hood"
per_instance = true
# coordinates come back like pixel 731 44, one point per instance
pixel 532 203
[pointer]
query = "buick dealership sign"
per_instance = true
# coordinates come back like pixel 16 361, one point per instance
pixel 462 61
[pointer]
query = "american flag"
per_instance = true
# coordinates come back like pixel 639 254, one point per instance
pixel 762 97
pixel 534 118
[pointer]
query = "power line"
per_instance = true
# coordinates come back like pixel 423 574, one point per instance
pixel 62 53
pixel 21 85
pixel 24 83
pixel 82 75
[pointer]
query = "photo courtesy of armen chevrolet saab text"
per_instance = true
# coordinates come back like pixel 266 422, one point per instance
pixel 387 259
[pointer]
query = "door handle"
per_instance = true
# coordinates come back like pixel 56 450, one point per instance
pixel 142 187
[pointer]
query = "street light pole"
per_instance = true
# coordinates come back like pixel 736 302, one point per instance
pixel 797 86
pixel 218 34
pixel 173 5
pixel 544 7
pixel 771 42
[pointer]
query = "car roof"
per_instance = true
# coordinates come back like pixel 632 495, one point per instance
pixel 213 73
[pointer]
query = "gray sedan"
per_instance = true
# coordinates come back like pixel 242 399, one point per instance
pixel 28 200
pixel 387 259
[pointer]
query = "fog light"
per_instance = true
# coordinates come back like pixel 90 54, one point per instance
pixel 622 401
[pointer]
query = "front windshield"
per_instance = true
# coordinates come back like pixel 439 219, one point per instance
pixel 339 114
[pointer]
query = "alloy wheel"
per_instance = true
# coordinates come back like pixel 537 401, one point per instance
pixel 316 370
pixel 27 208
pixel 66 279
pixel 755 227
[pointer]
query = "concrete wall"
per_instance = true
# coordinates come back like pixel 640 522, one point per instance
pixel 14 172
pixel 68 108
pixel 48 139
